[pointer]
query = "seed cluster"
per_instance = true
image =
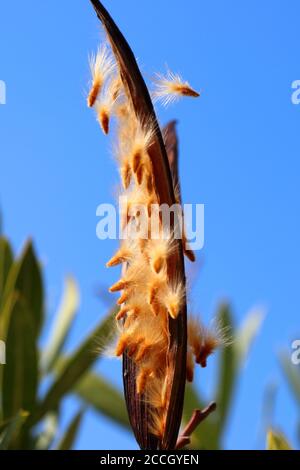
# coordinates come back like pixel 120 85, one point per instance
pixel 148 298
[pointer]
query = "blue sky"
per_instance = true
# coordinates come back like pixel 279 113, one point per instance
pixel 239 146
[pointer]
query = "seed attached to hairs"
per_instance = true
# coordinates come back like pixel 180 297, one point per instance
pixel 171 87
pixel 121 346
pixel 95 90
pixel 101 66
pixel 120 285
pixel 123 255
pixel 123 298
pixel 103 118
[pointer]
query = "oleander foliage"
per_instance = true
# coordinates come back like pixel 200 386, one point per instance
pixel 34 381
pixel 38 375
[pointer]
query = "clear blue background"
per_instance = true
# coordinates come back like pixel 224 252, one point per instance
pixel 239 147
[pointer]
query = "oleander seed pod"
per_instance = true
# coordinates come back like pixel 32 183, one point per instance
pixel 152 320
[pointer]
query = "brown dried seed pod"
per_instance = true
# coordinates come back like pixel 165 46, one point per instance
pixel 154 429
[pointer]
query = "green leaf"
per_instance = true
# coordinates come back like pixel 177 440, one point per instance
pixel 68 439
pixel 5 314
pixel 232 357
pixel 6 260
pixel 247 334
pixel 20 375
pixel 277 441
pixel 64 319
pixel 79 363
pixel 10 429
pixel 292 373
pixel 227 368
pixel 103 397
pixel 25 278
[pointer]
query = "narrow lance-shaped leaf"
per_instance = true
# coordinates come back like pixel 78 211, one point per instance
pixel 6 260
pixel 61 327
pixel 79 363
pixel 139 410
pixel 247 333
pixel 20 375
pixel 292 373
pixel 233 357
pixel 25 277
pixel 103 397
pixel 227 367
pixel 98 393
pixel 71 433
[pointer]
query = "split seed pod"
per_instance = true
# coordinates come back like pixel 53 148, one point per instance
pixel 155 427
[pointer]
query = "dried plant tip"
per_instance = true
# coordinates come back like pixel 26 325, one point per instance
pixel 101 66
pixel 170 87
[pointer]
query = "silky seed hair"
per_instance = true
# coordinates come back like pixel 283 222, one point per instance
pixel 204 341
pixel 101 66
pixel 170 87
pixel 147 298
